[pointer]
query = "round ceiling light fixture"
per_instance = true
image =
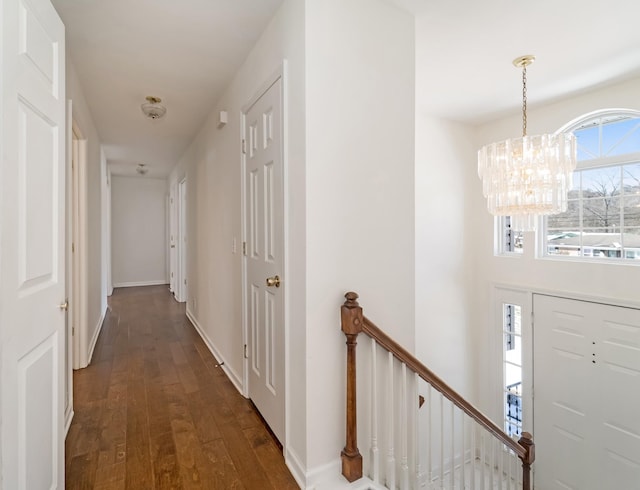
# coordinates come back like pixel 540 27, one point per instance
pixel 142 169
pixel 152 108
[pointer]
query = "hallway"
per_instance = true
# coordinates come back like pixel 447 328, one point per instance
pixel 154 411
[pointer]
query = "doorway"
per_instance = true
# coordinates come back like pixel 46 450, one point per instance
pixel 263 247
pixel 77 251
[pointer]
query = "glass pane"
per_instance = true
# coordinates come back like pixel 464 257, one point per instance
pixel 518 240
pixel 631 178
pixel 513 413
pixel 631 243
pixel 597 242
pixel 621 137
pixel 588 142
pixel 568 243
pixel 513 354
pixel 601 182
pixel 569 220
pixel 512 318
pixel 631 210
pixel 602 212
pixel 513 375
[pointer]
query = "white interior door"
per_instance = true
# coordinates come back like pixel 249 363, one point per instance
pixel 173 234
pixel 182 241
pixel 587 395
pixel 264 233
pixel 32 267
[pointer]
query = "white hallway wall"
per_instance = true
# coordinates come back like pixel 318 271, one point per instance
pixel 95 182
pixel 350 68
pixel 138 240
pixel 360 192
pixel 616 282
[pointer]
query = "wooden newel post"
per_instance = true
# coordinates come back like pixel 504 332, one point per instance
pixel 526 441
pixel 351 315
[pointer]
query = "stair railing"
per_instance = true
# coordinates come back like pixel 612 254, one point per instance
pixel 451 444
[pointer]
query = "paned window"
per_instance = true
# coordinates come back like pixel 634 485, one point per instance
pixel 602 220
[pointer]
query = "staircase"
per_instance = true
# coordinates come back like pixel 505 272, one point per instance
pixel 414 430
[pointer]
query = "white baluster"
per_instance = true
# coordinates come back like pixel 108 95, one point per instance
pixel 483 460
pixel 391 460
pixel 429 437
pixel 473 454
pixel 464 453
pixel 441 441
pixel 404 428
pixel 452 464
pixel 492 468
pixel 375 457
pixel 500 464
pixel 416 439
pixel 510 470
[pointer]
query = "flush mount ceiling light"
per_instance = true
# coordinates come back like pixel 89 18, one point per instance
pixel 142 169
pixel 152 107
pixel 530 176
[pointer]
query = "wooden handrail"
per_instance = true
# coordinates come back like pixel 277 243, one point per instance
pixel 354 322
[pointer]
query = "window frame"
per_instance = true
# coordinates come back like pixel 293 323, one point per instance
pixel 595 163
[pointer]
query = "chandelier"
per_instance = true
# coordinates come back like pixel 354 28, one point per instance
pixel 530 176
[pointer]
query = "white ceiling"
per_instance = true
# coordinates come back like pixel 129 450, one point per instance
pixel 187 51
pixel 465 49
pixel 183 51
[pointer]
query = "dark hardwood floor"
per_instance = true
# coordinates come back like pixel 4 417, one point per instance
pixel 153 410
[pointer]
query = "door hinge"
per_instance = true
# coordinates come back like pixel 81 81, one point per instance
pixel 244 146
pixel 245 351
pixel 73 331
pixel 185 282
pixel 73 248
pixel 172 275
pixel 244 248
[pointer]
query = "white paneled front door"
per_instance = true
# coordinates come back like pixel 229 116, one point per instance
pixel 264 234
pixel 587 395
pixel 32 267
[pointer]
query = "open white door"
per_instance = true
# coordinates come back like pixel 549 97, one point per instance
pixel 264 234
pixel 32 227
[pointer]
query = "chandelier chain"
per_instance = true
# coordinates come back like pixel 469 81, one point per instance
pixel 524 100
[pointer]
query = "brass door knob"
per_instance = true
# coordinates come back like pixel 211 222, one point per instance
pixel 273 281
pixel 64 306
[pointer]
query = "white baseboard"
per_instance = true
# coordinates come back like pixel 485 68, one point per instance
pixel 94 338
pixel 231 374
pixel 139 283
pixel 296 467
pixel 67 421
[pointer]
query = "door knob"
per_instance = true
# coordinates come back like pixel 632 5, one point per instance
pixel 273 281
pixel 64 306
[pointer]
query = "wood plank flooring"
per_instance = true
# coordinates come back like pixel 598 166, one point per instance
pixel 154 410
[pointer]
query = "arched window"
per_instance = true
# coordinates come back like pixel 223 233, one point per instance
pixel 603 215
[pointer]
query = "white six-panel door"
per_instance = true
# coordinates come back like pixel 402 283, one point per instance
pixel 587 395
pixel 264 217
pixel 32 274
